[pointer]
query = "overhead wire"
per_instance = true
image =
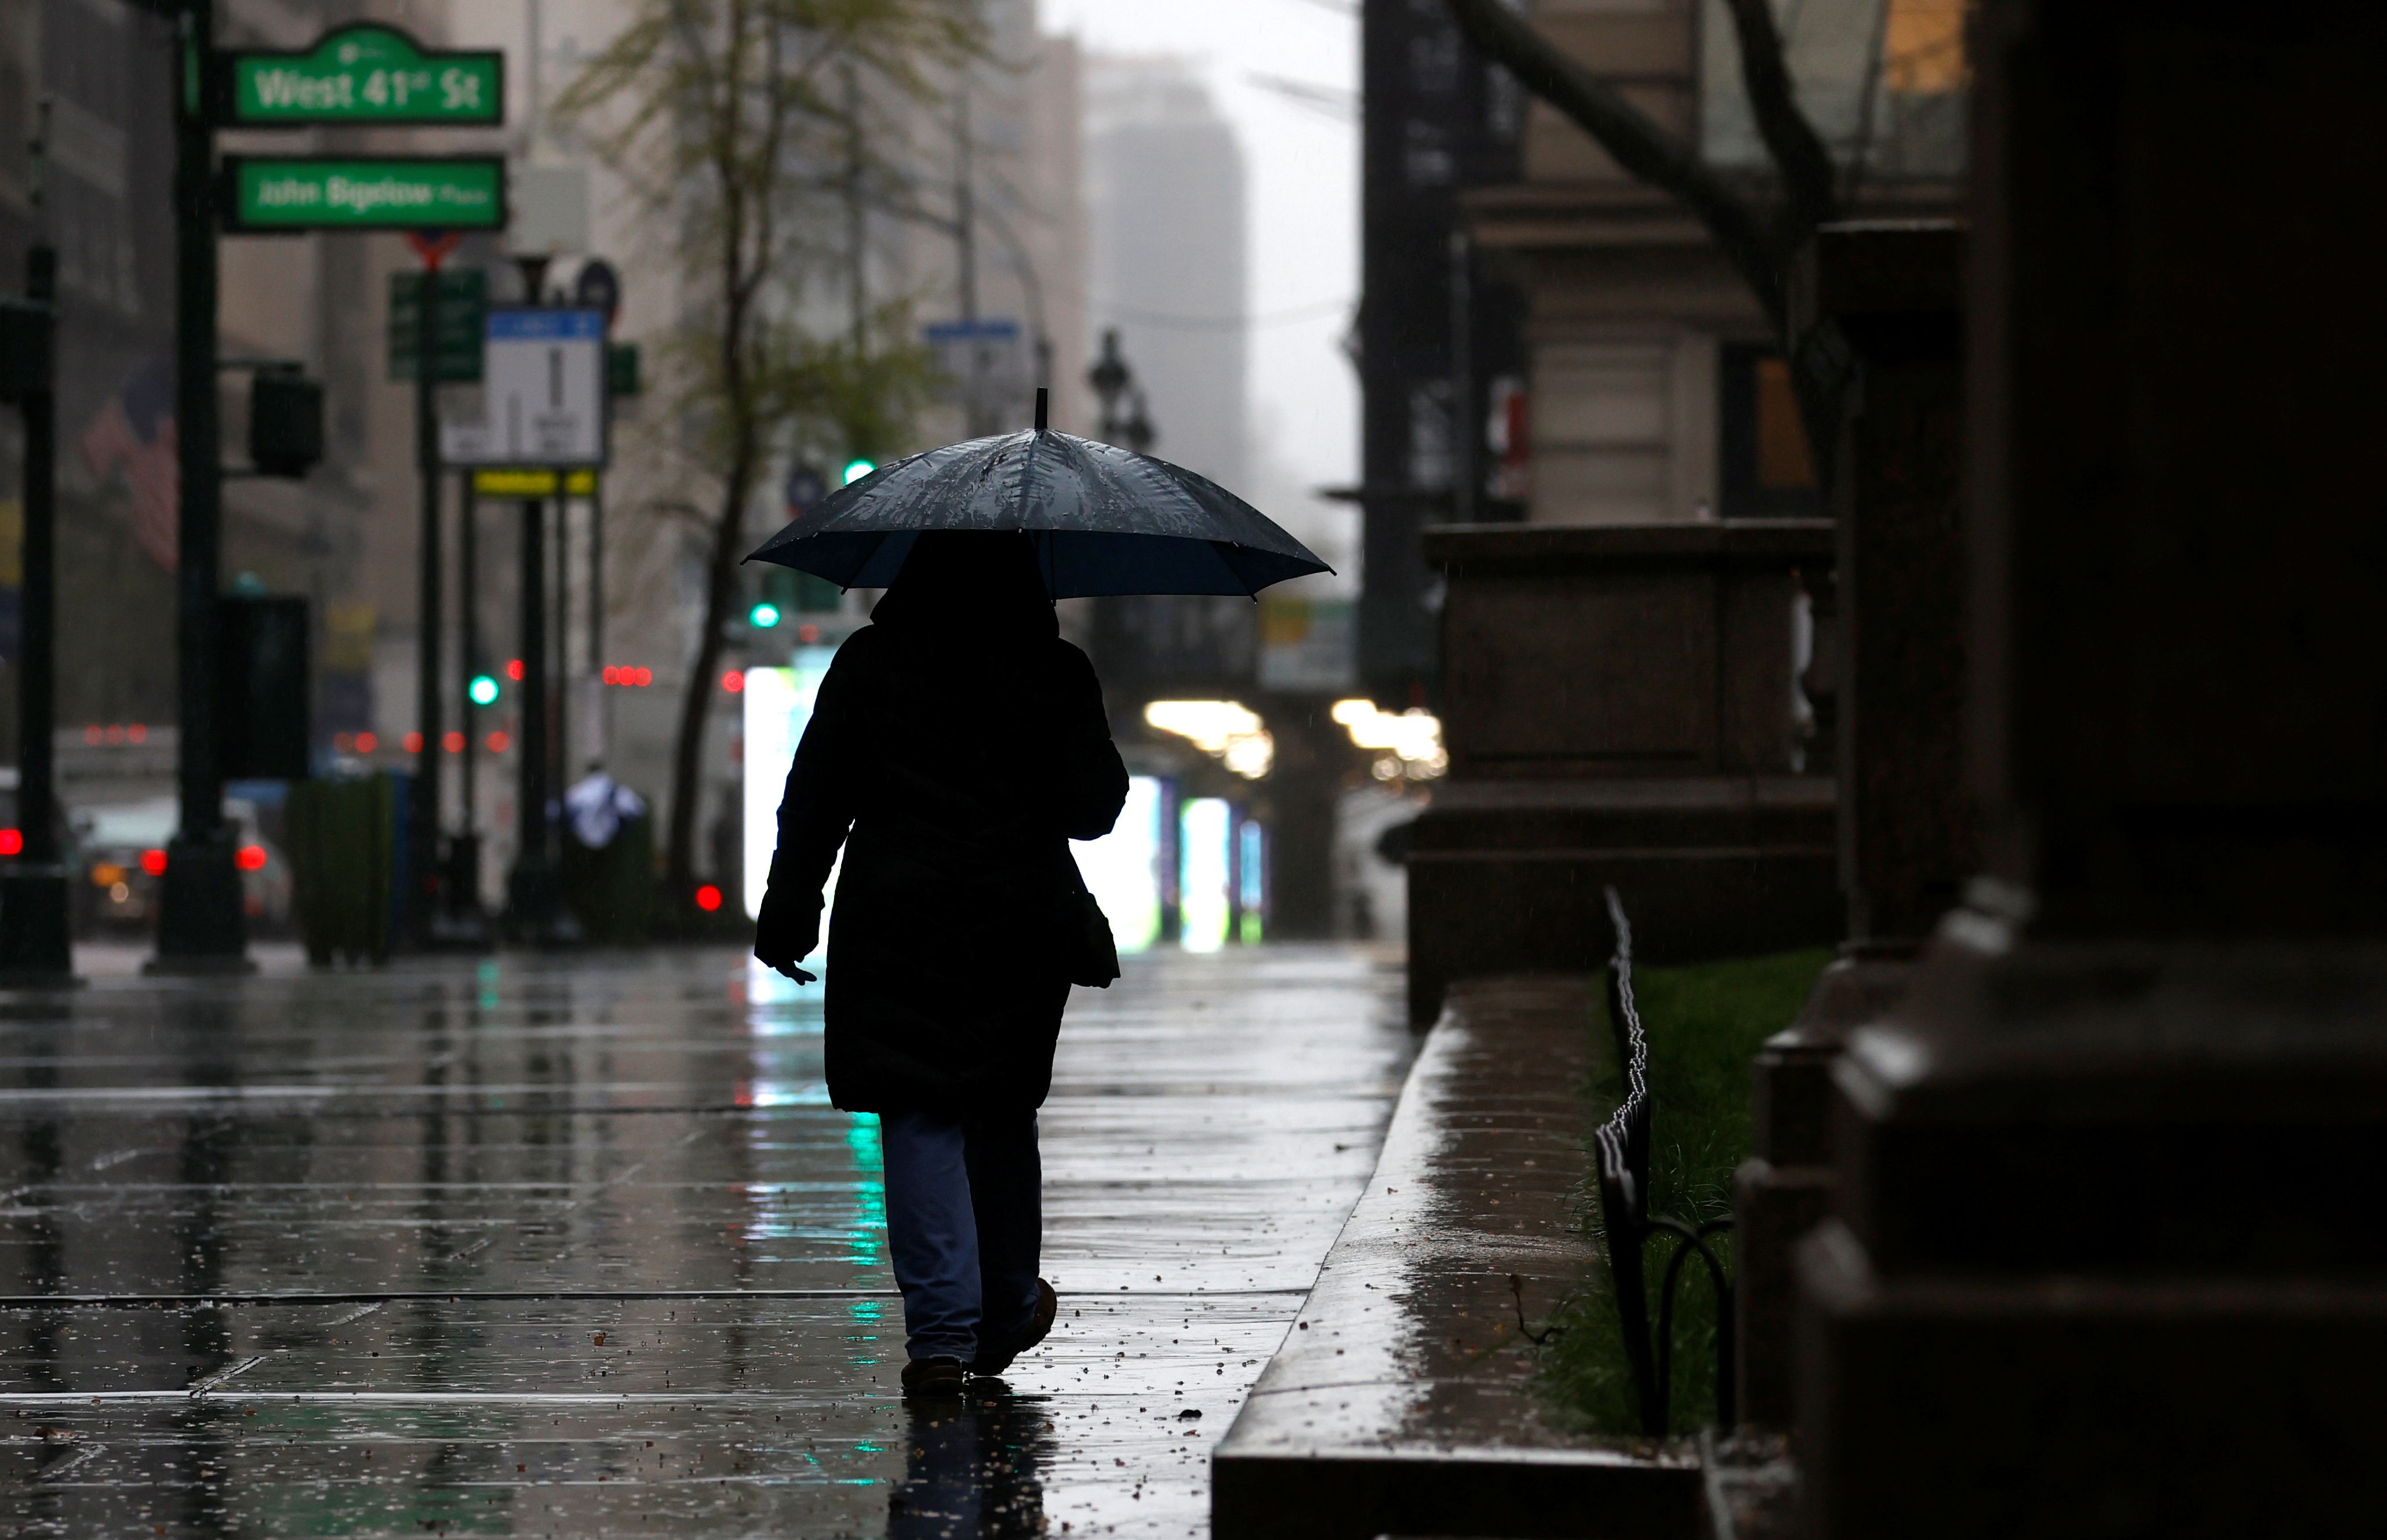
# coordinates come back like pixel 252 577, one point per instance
pixel 1224 323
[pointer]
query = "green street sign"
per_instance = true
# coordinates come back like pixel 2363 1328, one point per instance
pixel 282 193
pixel 366 75
pixel 463 310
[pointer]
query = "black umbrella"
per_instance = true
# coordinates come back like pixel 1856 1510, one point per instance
pixel 1106 519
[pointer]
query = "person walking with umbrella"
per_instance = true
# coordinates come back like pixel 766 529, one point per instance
pixel 957 744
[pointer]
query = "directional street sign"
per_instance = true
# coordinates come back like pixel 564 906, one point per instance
pixel 290 193
pixel 463 305
pixel 368 75
pixel 542 393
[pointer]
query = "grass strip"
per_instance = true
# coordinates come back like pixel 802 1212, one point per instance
pixel 1705 1025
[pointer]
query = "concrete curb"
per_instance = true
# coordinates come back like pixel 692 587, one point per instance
pixel 1401 1401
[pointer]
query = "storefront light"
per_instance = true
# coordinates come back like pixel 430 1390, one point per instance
pixel 1227 730
pixel 1408 743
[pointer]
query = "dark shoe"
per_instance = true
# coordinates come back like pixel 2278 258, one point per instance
pixel 932 1377
pixel 1040 1326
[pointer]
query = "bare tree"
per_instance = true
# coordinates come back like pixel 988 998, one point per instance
pixel 734 120
pixel 1757 240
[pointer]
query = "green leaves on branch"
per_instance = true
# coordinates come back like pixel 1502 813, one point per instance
pixel 748 128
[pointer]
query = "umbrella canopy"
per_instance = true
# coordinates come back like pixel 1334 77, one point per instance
pixel 1106 519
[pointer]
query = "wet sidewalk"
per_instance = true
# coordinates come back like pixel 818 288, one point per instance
pixel 577 1247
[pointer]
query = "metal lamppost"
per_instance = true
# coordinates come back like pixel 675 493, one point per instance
pixel 1114 383
pixel 202 922
pixel 1118 619
pixel 1137 432
pixel 531 887
pixel 422 814
pixel 1110 376
pixel 534 889
pixel 598 287
pixel 559 710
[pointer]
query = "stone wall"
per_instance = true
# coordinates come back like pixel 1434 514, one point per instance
pixel 1621 708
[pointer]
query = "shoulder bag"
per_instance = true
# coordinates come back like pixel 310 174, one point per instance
pixel 1089 953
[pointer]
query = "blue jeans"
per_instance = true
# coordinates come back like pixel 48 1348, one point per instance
pixel 965 1220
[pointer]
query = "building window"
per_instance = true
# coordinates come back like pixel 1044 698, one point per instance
pixel 1427 161
pixel 1764 470
pixel 1883 80
pixel 1504 105
pixel 1429 437
pixel 1434 59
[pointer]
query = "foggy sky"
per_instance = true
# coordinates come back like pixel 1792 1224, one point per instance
pixel 1303 165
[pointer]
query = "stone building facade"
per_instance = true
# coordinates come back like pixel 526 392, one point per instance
pixel 1658 391
pixel 106 71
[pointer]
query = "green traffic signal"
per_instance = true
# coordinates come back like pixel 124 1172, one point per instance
pixel 764 617
pixel 483 689
pixel 858 469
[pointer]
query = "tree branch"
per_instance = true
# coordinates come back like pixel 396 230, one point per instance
pixel 719 97
pixel 1808 180
pixel 1646 151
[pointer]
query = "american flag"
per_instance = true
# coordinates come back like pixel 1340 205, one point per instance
pixel 136 431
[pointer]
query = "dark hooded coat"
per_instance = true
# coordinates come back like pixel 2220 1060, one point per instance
pixel 956 745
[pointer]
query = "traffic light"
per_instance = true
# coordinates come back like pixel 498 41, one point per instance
pixel 483 689
pixel 858 469
pixel 764 617
pixel 285 422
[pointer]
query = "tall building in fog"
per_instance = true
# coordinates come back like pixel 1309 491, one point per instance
pixel 1164 197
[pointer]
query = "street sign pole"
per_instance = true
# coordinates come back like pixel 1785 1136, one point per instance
pixel 600 710
pixel 562 741
pixel 35 949
pixel 465 878
pixel 202 924
pixel 541 436
pixel 363 74
pixel 599 286
pixel 423 823
pixel 531 888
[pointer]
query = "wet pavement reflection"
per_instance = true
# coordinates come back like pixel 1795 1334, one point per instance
pixel 576 1245
pixel 975 1468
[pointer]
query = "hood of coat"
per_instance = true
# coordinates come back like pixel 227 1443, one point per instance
pixel 973 587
